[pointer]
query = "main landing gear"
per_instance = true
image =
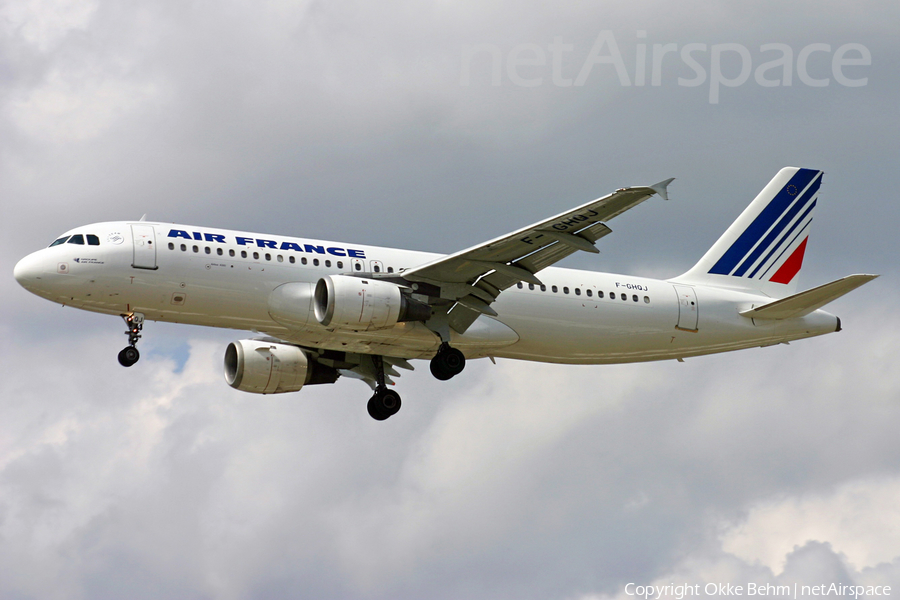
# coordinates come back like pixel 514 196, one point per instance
pixel 129 354
pixel 384 403
pixel 447 363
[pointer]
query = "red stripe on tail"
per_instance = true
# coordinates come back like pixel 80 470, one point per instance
pixel 791 266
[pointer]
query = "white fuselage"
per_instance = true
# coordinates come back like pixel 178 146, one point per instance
pixel 221 278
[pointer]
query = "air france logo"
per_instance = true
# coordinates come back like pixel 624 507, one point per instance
pixel 218 238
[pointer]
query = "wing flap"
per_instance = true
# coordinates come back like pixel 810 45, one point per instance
pixel 544 243
pixel 806 302
pixel 473 278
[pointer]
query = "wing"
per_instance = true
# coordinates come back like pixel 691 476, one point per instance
pixel 473 278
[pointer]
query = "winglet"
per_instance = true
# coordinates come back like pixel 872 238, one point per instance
pixel 660 188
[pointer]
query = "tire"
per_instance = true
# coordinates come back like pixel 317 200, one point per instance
pixel 447 363
pixel 375 409
pixel 128 356
pixel 454 361
pixel 438 370
pixel 389 401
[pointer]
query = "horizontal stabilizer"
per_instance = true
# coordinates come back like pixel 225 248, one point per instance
pixel 806 302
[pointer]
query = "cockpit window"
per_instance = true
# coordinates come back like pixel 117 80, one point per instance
pixel 77 239
pixel 93 240
pixel 61 240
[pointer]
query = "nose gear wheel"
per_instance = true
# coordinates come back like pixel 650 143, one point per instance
pixel 129 354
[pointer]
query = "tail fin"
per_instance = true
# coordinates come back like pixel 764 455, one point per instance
pixel 763 249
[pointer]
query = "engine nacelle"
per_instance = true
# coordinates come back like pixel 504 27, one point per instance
pixel 290 305
pixel 361 304
pixel 266 368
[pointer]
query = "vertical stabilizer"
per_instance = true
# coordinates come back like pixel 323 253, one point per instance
pixel 763 250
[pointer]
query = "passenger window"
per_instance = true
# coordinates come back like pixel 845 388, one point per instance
pixel 328 264
pixel 183 248
pixel 625 297
pixel 376 268
pixel 565 290
pixel 280 258
pixel 543 288
pixel 292 260
pixel 231 252
pixel 340 264
pixel 61 240
pixel 268 256
pixel 530 286
pixel 519 285
pixel 196 249
pixel 77 239
pixel 219 251
pixel 634 298
pixel 207 250
pixel 303 260
pixel 554 289
pixel 315 262
pixel 589 293
pixel 358 267
pixel 93 240
pixel 612 295
pixel 390 269
pixel 171 246
pixel 243 254
pixel 577 291
pixel 646 299
pixel 599 293
pixel 256 256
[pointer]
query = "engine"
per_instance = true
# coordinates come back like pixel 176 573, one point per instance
pixel 264 367
pixel 361 304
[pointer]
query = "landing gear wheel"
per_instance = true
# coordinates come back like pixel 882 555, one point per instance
pixel 128 356
pixel 447 363
pixel 385 403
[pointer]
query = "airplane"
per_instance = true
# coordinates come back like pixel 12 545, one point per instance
pixel 321 310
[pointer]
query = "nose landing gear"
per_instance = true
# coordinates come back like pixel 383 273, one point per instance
pixel 129 354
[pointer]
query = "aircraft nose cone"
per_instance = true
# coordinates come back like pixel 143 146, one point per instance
pixel 28 271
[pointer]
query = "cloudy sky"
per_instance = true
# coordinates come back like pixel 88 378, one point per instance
pixel 434 126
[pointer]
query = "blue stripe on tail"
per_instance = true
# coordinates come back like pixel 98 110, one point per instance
pixel 764 221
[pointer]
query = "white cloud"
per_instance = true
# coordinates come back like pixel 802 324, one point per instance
pixel 79 106
pixel 44 23
pixel 860 519
pixel 511 465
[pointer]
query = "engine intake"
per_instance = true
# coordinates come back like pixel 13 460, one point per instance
pixel 361 304
pixel 263 367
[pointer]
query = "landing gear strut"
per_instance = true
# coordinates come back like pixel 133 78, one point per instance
pixel 447 363
pixel 129 354
pixel 384 403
